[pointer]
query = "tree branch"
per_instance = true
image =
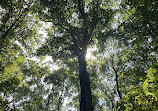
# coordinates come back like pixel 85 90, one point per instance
pixel 74 47
pixel 116 79
pixel 6 33
pixel 8 30
pixel 151 30
pixel 94 23
pixel 81 8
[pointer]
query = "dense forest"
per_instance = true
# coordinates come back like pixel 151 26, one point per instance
pixel 78 55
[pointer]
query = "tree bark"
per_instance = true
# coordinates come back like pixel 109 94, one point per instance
pixel 86 97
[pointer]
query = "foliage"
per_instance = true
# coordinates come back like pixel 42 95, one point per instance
pixel 123 69
pixel 16 38
pixel 141 55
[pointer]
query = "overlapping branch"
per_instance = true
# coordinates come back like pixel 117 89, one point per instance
pixel 15 22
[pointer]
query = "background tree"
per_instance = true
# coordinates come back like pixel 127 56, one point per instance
pixel 140 33
pixel 16 30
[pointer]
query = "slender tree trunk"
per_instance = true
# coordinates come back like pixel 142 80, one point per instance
pixel 47 105
pixel 117 85
pixel 116 79
pixel 60 102
pixel 86 97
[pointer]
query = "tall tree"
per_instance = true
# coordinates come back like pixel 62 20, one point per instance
pixel 76 23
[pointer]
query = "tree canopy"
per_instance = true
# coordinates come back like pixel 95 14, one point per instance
pixel 43 55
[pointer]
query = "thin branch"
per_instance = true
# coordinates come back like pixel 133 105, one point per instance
pixel 81 8
pixel 7 18
pixel 151 30
pixel 108 96
pixel 6 33
pixel 116 79
pixel 61 26
pixel 8 30
pixel 61 96
pixel 74 47
pixel 94 23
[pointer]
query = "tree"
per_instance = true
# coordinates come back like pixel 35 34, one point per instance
pixel 15 29
pixel 75 25
pixel 121 76
pixel 140 35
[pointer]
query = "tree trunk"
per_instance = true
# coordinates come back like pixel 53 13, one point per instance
pixel 116 79
pixel 86 97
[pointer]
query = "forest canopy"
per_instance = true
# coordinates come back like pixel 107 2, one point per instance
pixel 78 55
